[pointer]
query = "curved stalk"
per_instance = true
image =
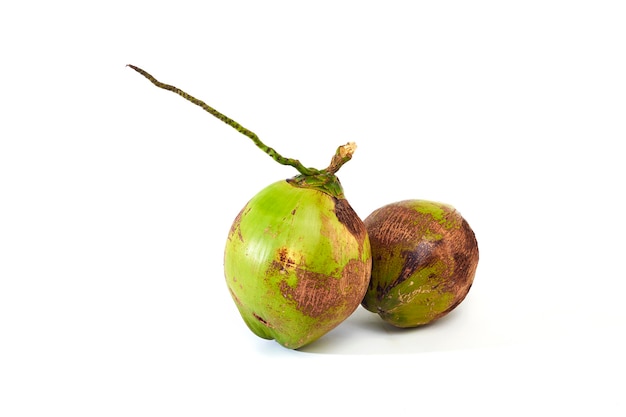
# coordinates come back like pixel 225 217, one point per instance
pixel 268 150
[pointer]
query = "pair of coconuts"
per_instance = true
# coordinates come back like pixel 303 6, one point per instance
pixel 299 261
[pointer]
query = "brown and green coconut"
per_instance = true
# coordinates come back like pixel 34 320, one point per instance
pixel 424 258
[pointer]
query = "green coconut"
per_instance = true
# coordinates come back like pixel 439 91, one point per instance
pixel 297 260
pixel 297 263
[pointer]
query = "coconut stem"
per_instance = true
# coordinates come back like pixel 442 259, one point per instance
pixel 268 150
pixel 343 155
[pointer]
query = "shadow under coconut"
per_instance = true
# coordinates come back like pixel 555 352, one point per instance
pixel 365 333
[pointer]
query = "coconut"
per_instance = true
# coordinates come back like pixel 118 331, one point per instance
pixel 424 259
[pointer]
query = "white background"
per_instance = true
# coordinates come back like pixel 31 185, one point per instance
pixel 116 198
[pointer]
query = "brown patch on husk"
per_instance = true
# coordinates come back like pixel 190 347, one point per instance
pixel 320 295
pixel 284 261
pixel 262 320
pixel 459 243
pixel 386 225
pixel 465 255
pixel 234 228
pixel 348 217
